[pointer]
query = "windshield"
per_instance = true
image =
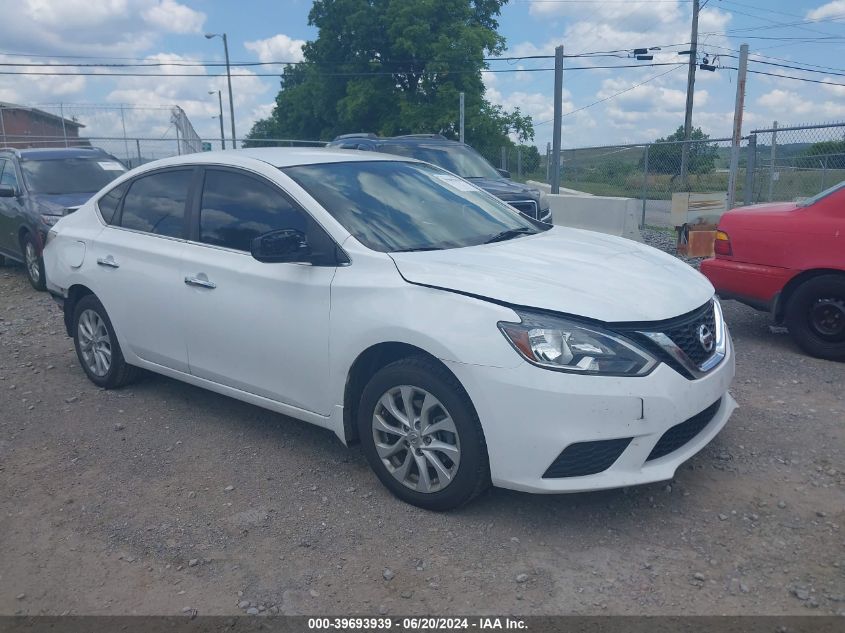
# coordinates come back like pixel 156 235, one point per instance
pixel 70 175
pixel 394 206
pixel 824 194
pixel 459 159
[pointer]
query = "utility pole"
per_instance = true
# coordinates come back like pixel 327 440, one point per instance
pixel 555 175
pixel 693 59
pixel 737 133
pixel 208 36
pixel 462 117
pixel 222 134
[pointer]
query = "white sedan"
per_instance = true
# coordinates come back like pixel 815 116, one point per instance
pixel 460 342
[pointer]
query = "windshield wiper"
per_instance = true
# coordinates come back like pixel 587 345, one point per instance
pixel 510 234
pixel 418 249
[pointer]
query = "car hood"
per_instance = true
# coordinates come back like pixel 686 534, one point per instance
pixel 506 189
pixel 56 201
pixel 566 270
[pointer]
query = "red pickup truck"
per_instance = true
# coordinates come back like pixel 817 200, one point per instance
pixel 788 258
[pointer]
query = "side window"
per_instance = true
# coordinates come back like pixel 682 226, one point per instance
pixel 237 207
pixel 156 203
pixel 7 174
pixel 109 202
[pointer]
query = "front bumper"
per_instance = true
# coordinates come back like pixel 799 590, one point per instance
pixel 530 415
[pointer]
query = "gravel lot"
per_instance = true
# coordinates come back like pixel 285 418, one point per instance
pixel 162 498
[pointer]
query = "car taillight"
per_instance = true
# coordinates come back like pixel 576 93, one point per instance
pixel 722 245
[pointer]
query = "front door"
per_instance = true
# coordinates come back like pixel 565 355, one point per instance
pixel 257 327
pixel 10 210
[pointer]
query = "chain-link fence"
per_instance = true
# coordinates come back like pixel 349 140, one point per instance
pixel 780 163
pixel 796 162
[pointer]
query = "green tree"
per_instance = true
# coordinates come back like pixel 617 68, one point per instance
pixel 664 157
pixel 828 154
pixel 395 67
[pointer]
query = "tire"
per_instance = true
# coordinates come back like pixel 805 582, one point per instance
pixel 33 262
pixel 464 468
pixel 92 327
pixel 815 316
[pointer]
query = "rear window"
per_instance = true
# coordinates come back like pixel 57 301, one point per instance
pixel 69 175
pixel 156 203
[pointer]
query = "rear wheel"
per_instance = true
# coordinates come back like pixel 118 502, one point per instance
pixel 34 262
pixel 421 435
pixel 815 316
pixel 97 347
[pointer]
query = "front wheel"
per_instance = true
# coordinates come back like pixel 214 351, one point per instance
pixel 97 347
pixel 815 316
pixel 34 263
pixel 421 435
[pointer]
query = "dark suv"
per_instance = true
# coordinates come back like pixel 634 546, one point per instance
pixel 460 159
pixel 38 187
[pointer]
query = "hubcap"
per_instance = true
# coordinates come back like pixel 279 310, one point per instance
pixel 32 265
pixel 416 438
pixel 827 317
pixel 94 343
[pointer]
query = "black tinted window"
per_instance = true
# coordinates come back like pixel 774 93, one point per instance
pixel 70 175
pixel 7 174
pixel 237 208
pixel 108 203
pixel 156 203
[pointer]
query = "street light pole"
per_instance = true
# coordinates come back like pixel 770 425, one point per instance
pixel 222 135
pixel 229 81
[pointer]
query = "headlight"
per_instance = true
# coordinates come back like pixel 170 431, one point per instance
pixel 50 220
pixel 565 345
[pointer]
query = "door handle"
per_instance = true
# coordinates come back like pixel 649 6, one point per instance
pixel 108 262
pixel 202 283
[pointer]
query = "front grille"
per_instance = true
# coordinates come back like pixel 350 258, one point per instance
pixel 528 207
pixel 586 458
pixel 685 335
pixel 683 331
pixel 680 434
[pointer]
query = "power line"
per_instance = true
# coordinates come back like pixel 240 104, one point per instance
pixel 608 98
pixel 337 74
pixel 807 79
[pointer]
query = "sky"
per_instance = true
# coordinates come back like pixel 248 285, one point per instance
pixel 601 106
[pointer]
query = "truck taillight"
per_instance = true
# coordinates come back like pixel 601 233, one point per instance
pixel 722 246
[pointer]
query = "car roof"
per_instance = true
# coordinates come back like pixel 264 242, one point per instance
pixel 276 156
pixel 55 153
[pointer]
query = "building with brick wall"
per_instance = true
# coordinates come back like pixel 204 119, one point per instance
pixel 22 127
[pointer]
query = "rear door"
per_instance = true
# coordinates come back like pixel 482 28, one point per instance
pixel 138 264
pixel 257 327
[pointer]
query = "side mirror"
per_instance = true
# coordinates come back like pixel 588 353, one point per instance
pixel 504 173
pixel 7 191
pixel 284 245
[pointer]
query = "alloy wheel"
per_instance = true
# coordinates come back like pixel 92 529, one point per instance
pixel 33 266
pixel 94 343
pixel 416 438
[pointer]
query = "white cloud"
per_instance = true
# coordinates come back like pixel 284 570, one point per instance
pixel 829 10
pixel 169 15
pixel 94 27
pixel 280 47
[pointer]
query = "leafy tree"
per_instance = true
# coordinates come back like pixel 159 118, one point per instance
pixel 395 67
pixel 665 157
pixel 829 154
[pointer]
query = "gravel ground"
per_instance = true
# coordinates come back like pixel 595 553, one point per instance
pixel 162 498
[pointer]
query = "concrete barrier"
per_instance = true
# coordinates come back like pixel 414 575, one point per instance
pixel 605 214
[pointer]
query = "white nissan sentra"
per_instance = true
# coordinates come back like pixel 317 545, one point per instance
pixel 460 342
